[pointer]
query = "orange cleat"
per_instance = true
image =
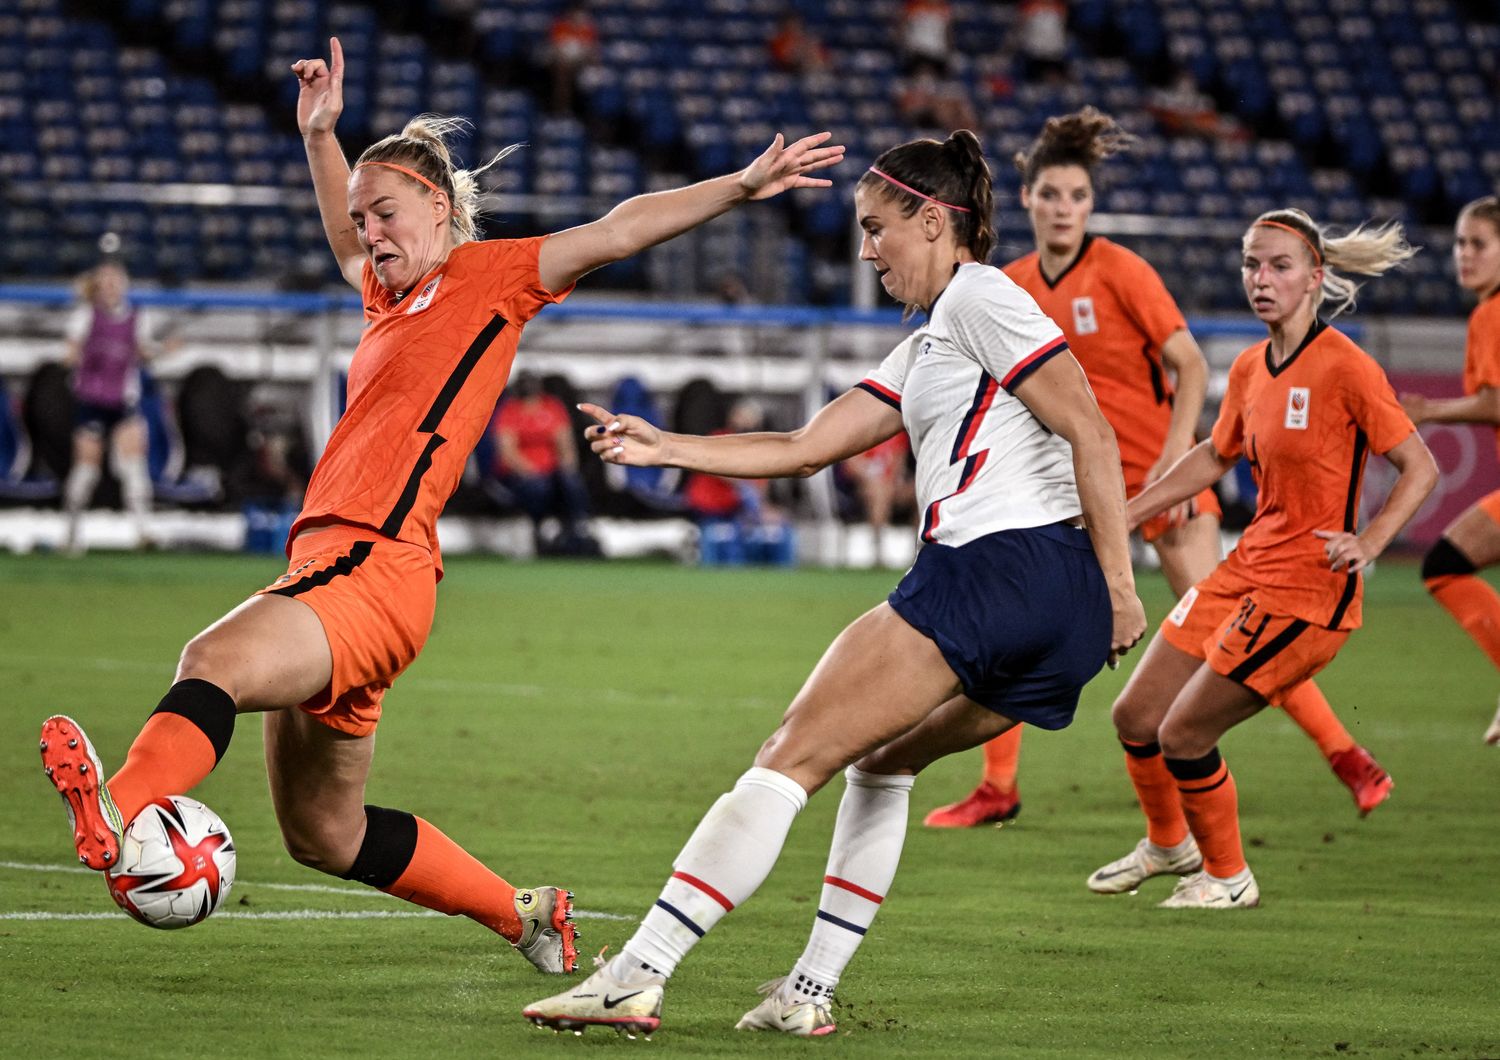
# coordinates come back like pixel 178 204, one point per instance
pixel 71 764
pixel 985 804
pixel 1363 776
pixel 548 935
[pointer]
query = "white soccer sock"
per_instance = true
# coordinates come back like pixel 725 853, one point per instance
pixel 82 478
pixel 862 860
pixel 135 488
pixel 729 855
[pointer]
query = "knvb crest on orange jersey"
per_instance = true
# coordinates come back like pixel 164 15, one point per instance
pixel 424 299
pixel 1085 320
pixel 1297 402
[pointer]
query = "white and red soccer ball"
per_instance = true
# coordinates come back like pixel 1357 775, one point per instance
pixel 176 864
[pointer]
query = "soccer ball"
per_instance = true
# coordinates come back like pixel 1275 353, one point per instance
pixel 176 864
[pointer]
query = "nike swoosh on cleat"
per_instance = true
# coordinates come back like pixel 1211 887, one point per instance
pixel 611 1002
pixel 1235 897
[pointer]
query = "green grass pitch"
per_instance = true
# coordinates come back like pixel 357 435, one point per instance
pixel 570 722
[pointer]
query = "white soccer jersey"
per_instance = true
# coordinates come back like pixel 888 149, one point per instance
pixel 984 462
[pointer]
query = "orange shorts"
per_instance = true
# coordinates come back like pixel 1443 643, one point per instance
pixel 1220 621
pixel 375 598
pixel 1489 504
pixel 1206 503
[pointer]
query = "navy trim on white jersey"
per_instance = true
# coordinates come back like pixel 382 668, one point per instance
pixel 874 389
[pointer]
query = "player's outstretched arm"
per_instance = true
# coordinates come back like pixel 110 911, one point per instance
pixel 320 101
pixel 647 220
pixel 1199 469
pixel 849 424
pixel 1482 406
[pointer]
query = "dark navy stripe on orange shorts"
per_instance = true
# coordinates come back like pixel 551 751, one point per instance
pixel 375 597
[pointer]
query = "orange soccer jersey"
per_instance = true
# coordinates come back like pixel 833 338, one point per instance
pixel 1306 426
pixel 1116 313
pixel 422 387
pixel 1482 349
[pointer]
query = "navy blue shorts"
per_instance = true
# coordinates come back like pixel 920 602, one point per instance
pixel 101 419
pixel 1022 617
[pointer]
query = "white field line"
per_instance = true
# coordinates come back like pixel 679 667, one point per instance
pixel 316 888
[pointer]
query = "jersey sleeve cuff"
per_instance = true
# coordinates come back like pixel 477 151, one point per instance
pixel 874 389
pixel 1031 362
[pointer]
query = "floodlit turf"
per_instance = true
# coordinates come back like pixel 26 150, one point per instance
pixel 570 723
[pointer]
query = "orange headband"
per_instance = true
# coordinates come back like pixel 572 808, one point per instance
pixel 402 169
pixel 1288 228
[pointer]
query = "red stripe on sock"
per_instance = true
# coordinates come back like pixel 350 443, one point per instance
pixel 694 881
pixel 854 888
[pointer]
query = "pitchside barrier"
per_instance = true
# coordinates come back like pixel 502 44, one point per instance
pixel 296 347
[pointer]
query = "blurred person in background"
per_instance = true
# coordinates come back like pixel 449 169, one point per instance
pixel 881 479
pixel 572 47
pixel 108 341
pixel 1042 27
pixel 925 35
pixel 930 101
pixel 795 48
pixel 1470 543
pixel 1150 378
pixel 536 459
pixel 316 650
pixel 737 523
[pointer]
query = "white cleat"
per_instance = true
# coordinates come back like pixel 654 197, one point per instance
pixel 805 1019
pixel 1492 734
pixel 601 1000
pixel 1202 891
pixel 1145 861
pixel 548 936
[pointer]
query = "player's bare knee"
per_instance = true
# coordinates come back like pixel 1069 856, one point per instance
pixel 205 659
pixel 1180 738
pixel 808 763
pixel 1134 720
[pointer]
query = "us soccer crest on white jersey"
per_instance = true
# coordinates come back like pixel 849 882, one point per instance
pixel 984 462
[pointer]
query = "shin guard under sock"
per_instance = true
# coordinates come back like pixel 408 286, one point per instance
pixel 178 746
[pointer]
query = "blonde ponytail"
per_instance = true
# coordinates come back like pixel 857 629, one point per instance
pixel 422 145
pixel 1368 250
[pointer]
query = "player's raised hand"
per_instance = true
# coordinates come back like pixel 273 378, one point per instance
pixel 783 166
pixel 321 99
pixel 626 440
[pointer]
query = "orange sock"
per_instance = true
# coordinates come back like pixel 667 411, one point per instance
pixel 178 746
pixel 1310 709
pixel 1476 606
pixel 1002 757
pixel 1157 791
pixel 1212 806
pixel 444 876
